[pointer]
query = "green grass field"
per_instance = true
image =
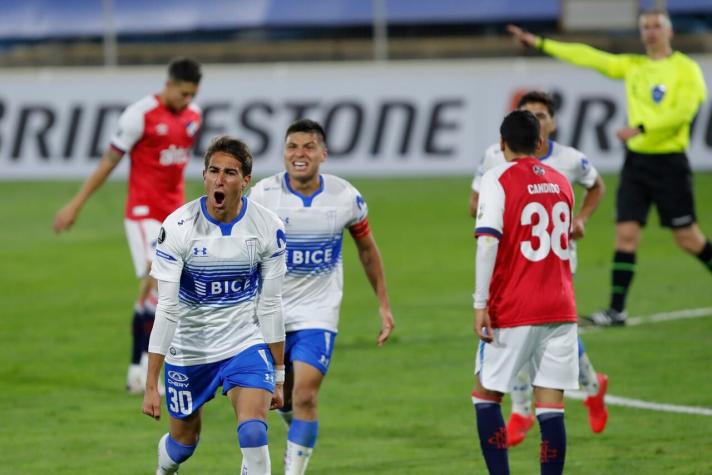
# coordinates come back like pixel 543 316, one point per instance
pixel 401 409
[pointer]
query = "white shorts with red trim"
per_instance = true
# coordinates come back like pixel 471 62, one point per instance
pixel 142 235
pixel 549 352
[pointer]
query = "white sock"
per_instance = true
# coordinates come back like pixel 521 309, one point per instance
pixel 522 394
pixel 286 416
pixel 587 375
pixel 166 465
pixel 297 459
pixel 255 461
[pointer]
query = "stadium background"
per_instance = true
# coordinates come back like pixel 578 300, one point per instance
pixel 409 108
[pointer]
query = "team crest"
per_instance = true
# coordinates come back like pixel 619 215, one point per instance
pixel 658 93
pixel 191 128
pixel 538 170
pixel 162 129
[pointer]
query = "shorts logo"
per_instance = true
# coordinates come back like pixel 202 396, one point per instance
pixel 658 93
pixel 176 376
pixel 538 170
pixel 161 235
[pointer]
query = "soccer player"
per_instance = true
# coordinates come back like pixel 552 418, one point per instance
pixel 525 312
pixel 315 209
pixel 576 167
pixel 158 133
pixel 664 90
pixel 219 264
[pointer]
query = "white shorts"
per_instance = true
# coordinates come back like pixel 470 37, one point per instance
pixel 549 352
pixel 142 235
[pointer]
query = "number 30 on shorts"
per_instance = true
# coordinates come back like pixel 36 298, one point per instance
pixel 180 401
pixel 561 216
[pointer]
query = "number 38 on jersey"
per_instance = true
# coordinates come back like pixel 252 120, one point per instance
pixel 543 241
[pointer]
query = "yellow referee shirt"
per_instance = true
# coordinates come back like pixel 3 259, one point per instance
pixel 662 95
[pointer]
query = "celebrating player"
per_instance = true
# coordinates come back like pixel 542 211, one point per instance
pixel 219 262
pixel 315 208
pixel 157 132
pixel 525 312
pixel 576 167
pixel 664 91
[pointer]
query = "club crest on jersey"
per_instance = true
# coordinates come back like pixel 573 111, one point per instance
pixel 191 128
pixel 658 93
pixel 162 129
pixel 251 249
pixel 538 170
pixel 161 235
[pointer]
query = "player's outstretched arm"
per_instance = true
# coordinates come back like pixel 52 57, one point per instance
pixel 370 258
pixel 65 217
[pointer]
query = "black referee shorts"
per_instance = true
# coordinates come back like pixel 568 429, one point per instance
pixel 662 179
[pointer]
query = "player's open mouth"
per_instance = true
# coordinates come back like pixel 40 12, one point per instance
pixel 300 166
pixel 219 197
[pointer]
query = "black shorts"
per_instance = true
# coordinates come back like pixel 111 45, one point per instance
pixel 663 179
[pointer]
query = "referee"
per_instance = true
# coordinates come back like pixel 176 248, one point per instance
pixel 664 90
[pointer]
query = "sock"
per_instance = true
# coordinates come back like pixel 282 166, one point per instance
pixel 252 435
pixel 588 380
pixel 286 413
pixel 172 453
pixel 492 433
pixel 137 334
pixel 553 438
pixel 522 394
pixel 622 276
pixel 705 255
pixel 300 446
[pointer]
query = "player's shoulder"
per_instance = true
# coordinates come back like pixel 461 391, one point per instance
pixel 182 220
pixel 270 183
pixel 497 171
pixel 143 105
pixel 195 108
pixel 337 185
pixel 494 150
pixel 681 58
pixel 261 215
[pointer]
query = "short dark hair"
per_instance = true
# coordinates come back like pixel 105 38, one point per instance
pixel 185 69
pixel 231 146
pixel 540 97
pixel 520 131
pixel 307 126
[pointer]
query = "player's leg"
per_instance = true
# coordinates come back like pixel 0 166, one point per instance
pixel 555 366
pixel 141 236
pixel 251 406
pixel 692 240
pixel 596 386
pixel 179 443
pixel 310 354
pixel 286 412
pixel 248 381
pixel 522 417
pixel 496 367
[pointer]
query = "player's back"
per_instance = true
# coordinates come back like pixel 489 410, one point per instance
pixel 527 205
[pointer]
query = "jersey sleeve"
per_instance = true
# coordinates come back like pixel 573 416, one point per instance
pixel 170 252
pixel 612 65
pixel 585 174
pixel 129 129
pixel 359 208
pixel 273 252
pixel 490 210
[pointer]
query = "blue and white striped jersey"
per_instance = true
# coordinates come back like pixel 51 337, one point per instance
pixel 313 285
pixel 219 267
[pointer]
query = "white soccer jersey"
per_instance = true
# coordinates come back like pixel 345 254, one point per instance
pixel 219 267
pixel 313 285
pixel 566 160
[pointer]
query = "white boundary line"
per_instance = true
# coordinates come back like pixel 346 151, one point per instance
pixel 637 403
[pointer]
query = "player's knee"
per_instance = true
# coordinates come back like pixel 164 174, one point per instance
pixel 304 398
pixel 179 452
pixel 689 240
pixel 252 433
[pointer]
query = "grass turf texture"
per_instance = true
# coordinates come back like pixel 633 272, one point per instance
pixel 404 408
